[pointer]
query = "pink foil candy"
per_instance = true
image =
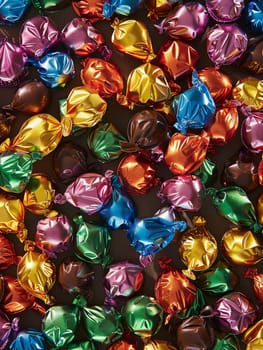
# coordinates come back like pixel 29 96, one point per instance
pixel 89 192
pixel 121 281
pixel 186 21
pixel 84 39
pixel 226 43
pixel 225 10
pixel 12 63
pixel 53 234
pixel 235 313
pixel 252 132
pixel 183 193
pixel 37 35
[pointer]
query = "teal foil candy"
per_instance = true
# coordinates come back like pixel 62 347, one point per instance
pixel 30 339
pixel 12 10
pixel 207 172
pixel 102 324
pixel 121 7
pixel 92 242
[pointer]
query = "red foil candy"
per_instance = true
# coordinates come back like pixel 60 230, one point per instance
pixel 7 253
pixel 91 9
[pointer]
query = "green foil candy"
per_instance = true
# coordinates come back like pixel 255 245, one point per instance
pixel 104 142
pixel 229 342
pixel 92 242
pixel 49 5
pixel 234 205
pixel 218 279
pixel 195 308
pixel 102 324
pixel 207 172
pixel 15 170
pixel 143 316
pixel 85 345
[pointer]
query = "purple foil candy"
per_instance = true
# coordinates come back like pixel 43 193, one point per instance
pixel 84 39
pixel 37 35
pixel 12 64
pixel 186 21
pixel 54 234
pixel 89 192
pixel 122 280
pixel 183 192
pixel 252 132
pixel 235 313
pixel 225 10
pixel 7 329
pixel 226 43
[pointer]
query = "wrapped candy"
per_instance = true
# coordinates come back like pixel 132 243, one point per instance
pixel 92 242
pixel 186 21
pixel 16 299
pixel 251 128
pixel 12 215
pixel 148 85
pixel 233 204
pixel 225 11
pixel 240 170
pixel 152 234
pixel 105 142
pixel 195 332
pixel 254 19
pixel 103 78
pixel 186 153
pixel 219 84
pixel 159 8
pixel 242 247
pixel 39 194
pixel 157 344
pixel 123 344
pixel 143 316
pixel 177 58
pixel 137 174
pixel 132 38
pixel 146 129
pixel 8 330
pixel 253 336
pixel 38 35
pixel 6 119
pixel 219 279
pixel 173 290
pixel 36 273
pixel 120 7
pixel 207 172
pixel 12 12
pixel 197 248
pixel 257 278
pixel 229 341
pixel 195 308
pixel 49 5
pixel 252 58
pixel 84 39
pixel 194 107
pixel 234 313
pixel 54 234
pixel 29 339
pixel 12 63
pixel 55 69
pixel 7 253
pixel 119 212
pixel 91 9
pixel 248 91
pixel 260 208
pixel 90 192
pixel 102 323
pixel 69 162
pixel 84 345
pixel 122 280
pixel 223 126
pixel 217 37
pixel 75 276
pixel 84 109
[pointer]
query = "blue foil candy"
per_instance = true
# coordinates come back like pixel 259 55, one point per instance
pixel 254 16
pixel 119 213
pixel 54 69
pixel 150 235
pixel 29 340
pixel 195 107
pixel 12 10
pixel 121 7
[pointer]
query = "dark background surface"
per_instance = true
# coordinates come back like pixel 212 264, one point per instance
pixel 147 204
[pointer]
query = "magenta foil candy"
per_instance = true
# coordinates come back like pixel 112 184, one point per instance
pixel 225 10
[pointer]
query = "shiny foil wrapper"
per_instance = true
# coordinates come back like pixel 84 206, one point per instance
pixel 91 9
pixel 251 132
pixel 248 91
pixel 7 254
pixel 257 278
pixel 11 12
pixel 226 10
pixel 157 344
pixel 49 5
pixel 253 13
pixel 30 338
pixel 254 333
pixel 252 58
pixel 159 8
pixel 121 7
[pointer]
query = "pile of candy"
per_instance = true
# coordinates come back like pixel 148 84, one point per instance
pixel 131 209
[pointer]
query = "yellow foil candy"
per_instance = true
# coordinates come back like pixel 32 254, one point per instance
pixel 242 247
pixel 249 91
pixel 132 38
pixel 39 195
pixel 147 84
pixel 158 345
pixel 36 273
pixel 12 214
pixel 254 336
pixel 39 133
pixel 84 109
pixel 197 248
